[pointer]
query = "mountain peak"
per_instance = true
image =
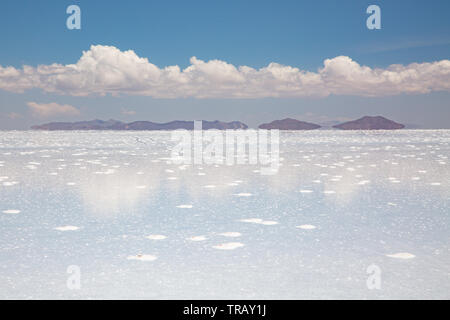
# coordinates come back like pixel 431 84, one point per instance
pixel 370 123
pixel 289 124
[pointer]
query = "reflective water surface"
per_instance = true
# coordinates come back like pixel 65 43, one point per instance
pixel 139 226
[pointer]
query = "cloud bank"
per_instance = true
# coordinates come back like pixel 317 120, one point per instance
pixel 45 110
pixel 107 70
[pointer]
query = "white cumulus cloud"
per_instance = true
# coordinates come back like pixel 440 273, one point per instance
pixel 107 70
pixel 45 110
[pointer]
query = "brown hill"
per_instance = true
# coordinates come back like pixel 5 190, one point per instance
pixel 370 123
pixel 289 124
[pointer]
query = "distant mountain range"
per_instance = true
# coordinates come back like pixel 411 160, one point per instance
pixel 137 125
pixel 364 123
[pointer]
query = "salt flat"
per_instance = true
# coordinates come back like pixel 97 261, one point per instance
pixel 139 226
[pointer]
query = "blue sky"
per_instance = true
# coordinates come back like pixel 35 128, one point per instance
pixel 300 34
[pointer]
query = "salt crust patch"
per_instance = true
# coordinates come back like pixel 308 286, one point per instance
pixel 230 234
pixel 185 206
pixel 197 238
pixel 243 194
pixel 401 255
pixel 259 221
pixel 306 227
pixel 67 228
pixel 228 246
pixel 11 211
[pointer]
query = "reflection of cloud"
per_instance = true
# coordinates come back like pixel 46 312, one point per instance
pixel 13 115
pixel 106 69
pixel 113 194
pixel 128 112
pixel 52 109
pixel 117 176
